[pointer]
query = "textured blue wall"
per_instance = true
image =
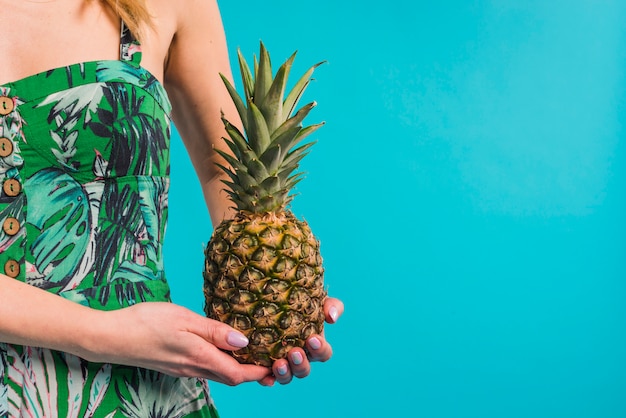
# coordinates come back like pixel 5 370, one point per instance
pixel 469 193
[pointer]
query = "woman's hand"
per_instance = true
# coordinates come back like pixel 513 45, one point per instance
pixel 174 340
pixel 298 363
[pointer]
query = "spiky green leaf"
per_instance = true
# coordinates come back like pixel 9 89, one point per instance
pixel 271 158
pixel 258 170
pixel 272 184
pixel 258 133
pixel 237 100
pixel 246 76
pixel 297 154
pixel 306 131
pixel 238 144
pixel 296 92
pixel 264 162
pixel 293 180
pixel 295 120
pixel 272 105
pixel 302 133
pixel 263 77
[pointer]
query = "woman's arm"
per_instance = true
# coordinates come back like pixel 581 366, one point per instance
pixel 156 335
pixel 198 54
pixel 196 58
pixel 31 316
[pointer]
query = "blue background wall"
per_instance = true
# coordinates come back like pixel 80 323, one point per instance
pixel 469 193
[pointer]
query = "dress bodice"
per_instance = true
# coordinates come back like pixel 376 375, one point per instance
pixel 84 166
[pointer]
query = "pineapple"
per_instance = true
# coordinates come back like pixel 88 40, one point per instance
pixel 263 270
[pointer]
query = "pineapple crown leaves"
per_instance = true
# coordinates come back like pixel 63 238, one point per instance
pixel 263 161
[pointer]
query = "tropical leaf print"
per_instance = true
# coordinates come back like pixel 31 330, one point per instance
pixel 126 254
pixel 99 386
pixel 129 293
pixel 69 107
pixel 120 227
pixel 95 139
pixel 43 375
pixel 34 373
pixel 4 399
pixel 150 396
pixel 11 128
pixel 93 190
pixel 11 125
pixel 153 204
pixel 74 103
pixel 124 294
pixel 15 210
pixel 68 74
pixel 78 380
pixel 76 377
pixel 132 272
pixel 119 70
pixel 66 141
pixel 63 217
pixel 138 141
pixel 8 165
pixel 99 166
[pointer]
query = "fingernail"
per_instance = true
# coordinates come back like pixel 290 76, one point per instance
pixel 297 358
pixel 315 343
pixel 282 370
pixel 236 339
pixel 334 314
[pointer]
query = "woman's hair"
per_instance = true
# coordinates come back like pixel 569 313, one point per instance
pixel 134 13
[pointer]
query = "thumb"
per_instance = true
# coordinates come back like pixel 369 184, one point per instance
pixel 224 336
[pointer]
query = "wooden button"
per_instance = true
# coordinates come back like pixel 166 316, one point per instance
pixel 12 268
pixel 12 187
pixel 6 147
pixel 6 105
pixel 11 226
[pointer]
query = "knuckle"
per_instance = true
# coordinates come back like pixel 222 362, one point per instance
pixel 233 379
pixel 327 354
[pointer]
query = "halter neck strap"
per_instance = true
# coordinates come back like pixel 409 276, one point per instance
pixel 130 48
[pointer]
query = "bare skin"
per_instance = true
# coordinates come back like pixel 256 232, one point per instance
pixel 186 53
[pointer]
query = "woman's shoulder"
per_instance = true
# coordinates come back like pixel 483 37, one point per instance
pixel 186 33
pixel 173 20
pixel 181 12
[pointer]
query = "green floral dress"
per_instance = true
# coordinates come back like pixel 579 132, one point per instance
pixel 84 166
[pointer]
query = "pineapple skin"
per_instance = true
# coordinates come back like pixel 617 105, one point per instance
pixel 264 277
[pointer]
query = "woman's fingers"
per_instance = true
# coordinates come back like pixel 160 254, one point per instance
pixel 333 309
pixel 318 348
pixel 183 343
pixel 242 373
pixel 282 371
pixel 219 366
pixel 299 363
pixel 295 365
pixel 217 333
pixel 223 336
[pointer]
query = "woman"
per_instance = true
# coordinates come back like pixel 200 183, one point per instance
pixel 84 131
